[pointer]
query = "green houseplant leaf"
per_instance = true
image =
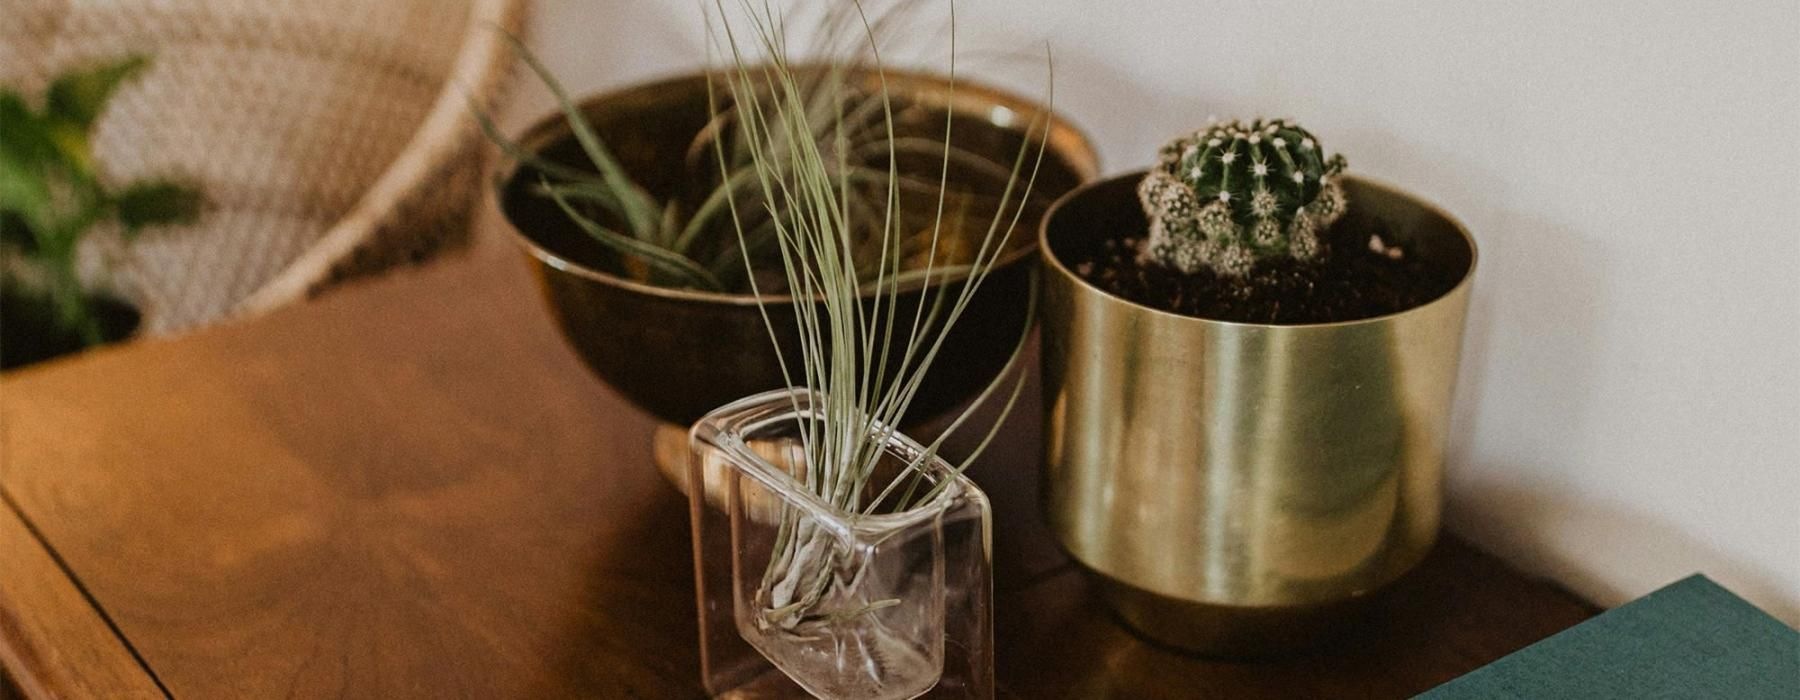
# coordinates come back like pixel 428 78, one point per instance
pixel 51 198
pixel 74 102
pixel 27 153
pixel 157 202
pixel 78 98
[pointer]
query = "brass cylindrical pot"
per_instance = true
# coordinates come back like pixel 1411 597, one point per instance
pixel 1242 489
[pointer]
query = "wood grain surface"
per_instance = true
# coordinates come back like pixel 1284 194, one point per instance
pixel 411 488
pixel 1460 610
pixel 39 603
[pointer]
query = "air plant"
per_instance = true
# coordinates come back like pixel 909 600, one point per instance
pixel 683 245
pixel 1234 193
pixel 849 338
pixel 52 196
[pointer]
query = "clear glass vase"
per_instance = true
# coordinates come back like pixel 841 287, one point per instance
pixel 799 597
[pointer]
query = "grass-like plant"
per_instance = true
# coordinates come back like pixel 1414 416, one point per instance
pixel 849 338
pixel 52 195
pixel 665 243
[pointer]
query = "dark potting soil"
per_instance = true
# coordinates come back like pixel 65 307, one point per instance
pixel 1349 281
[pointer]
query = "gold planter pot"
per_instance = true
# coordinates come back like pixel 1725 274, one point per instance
pixel 1241 489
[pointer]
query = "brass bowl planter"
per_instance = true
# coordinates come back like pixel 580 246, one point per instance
pixel 681 353
pixel 1242 489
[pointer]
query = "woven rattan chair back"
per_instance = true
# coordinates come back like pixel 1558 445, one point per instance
pixel 331 137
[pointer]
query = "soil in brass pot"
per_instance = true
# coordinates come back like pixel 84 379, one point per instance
pixel 1364 272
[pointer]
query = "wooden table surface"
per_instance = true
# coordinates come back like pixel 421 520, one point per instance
pixel 412 488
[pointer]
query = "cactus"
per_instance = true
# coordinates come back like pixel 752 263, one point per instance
pixel 1233 193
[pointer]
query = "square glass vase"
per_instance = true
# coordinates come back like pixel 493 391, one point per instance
pixel 798 597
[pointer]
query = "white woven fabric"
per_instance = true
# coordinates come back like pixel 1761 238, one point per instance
pixel 285 112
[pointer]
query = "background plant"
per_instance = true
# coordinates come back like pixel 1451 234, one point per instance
pixel 52 196
pixel 846 337
pixel 1234 193
pixel 666 243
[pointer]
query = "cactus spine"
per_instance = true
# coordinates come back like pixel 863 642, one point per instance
pixel 1234 193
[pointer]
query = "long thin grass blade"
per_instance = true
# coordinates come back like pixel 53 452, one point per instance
pixel 658 258
pixel 635 206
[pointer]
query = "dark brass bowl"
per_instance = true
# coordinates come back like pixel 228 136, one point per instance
pixel 681 353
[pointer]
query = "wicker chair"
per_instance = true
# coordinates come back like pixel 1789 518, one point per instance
pixel 332 137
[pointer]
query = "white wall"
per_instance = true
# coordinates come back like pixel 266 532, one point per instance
pixel 1630 405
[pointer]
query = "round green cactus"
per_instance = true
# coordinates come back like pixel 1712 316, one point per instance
pixel 1234 193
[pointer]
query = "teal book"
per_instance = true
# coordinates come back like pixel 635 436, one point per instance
pixel 1691 639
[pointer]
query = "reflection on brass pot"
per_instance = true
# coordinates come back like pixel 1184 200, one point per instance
pixel 1237 487
pixel 681 353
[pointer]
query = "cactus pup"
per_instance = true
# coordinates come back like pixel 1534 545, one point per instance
pixel 1234 193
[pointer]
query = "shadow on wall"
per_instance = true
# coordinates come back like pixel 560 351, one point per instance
pixel 1564 536
pixel 1532 343
pixel 1525 397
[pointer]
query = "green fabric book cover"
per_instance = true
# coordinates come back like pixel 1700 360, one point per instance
pixel 1691 639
